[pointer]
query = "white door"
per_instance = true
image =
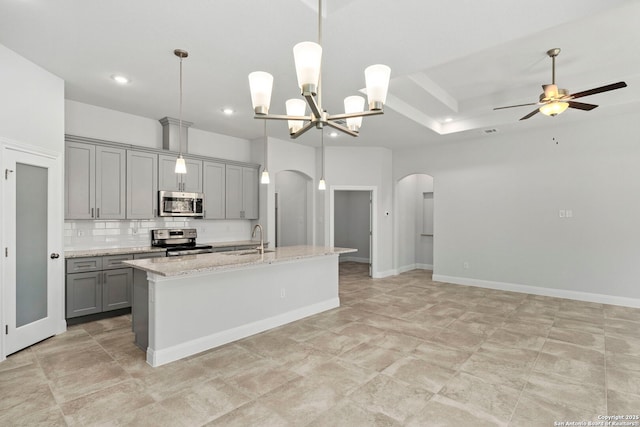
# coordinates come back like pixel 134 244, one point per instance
pixel 32 261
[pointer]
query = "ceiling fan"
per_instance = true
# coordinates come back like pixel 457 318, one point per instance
pixel 554 101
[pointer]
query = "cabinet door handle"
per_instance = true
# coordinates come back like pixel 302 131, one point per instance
pixel 154 212
pixel 91 212
pixel 98 215
pixel 104 275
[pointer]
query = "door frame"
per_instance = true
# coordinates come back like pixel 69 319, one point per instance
pixel 58 267
pixel 373 250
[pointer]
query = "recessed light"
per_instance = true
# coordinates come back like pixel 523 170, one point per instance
pixel 119 78
pixel 228 111
pixel 333 134
pixel 448 120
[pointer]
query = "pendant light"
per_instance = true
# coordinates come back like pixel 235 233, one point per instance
pixel 322 185
pixel 181 166
pixel 264 179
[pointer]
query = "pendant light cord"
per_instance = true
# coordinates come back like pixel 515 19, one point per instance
pixel 322 140
pixel 180 117
pixel 319 89
pixel 266 150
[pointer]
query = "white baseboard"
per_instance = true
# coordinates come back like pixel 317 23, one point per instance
pixel 383 274
pixel 405 268
pixel 537 290
pixel 424 266
pixel 189 348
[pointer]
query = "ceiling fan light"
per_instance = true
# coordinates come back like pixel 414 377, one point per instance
pixel 354 104
pixel 377 81
pixel 307 57
pixel 261 85
pixel 554 108
pixel 322 185
pixel 295 107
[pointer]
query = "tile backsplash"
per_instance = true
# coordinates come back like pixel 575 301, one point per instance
pixel 133 233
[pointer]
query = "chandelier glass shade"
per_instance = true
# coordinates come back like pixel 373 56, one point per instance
pixel 308 60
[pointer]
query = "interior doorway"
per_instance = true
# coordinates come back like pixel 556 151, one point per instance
pixel 293 208
pixel 32 262
pixel 353 226
pixel 415 223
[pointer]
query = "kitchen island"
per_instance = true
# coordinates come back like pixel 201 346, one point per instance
pixel 193 303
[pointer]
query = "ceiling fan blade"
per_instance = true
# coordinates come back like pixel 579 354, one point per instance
pixel 600 89
pixel 581 106
pixel 512 106
pixel 531 114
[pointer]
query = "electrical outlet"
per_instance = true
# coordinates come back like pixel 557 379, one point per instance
pixel 80 233
pixel 562 213
pixel 282 293
pixel 465 264
pixel 569 213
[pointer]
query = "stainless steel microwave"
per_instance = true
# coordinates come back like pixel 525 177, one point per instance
pixel 177 203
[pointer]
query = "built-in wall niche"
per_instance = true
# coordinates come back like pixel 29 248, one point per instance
pixel 427 213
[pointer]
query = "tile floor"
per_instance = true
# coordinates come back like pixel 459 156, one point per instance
pixel 401 351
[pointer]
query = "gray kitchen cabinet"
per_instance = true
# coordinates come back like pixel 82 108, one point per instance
pixel 169 180
pixel 84 294
pixel 241 192
pixel 214 190
pixel 111 178
pixel 94 181
pixel 79 181
pixel 250 193
pixel 98 284
pixel 142 184
pixel 116 288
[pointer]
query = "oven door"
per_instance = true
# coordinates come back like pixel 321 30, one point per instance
pixel 176 203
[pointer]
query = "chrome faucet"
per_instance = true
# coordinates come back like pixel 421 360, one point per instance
pixel 253 234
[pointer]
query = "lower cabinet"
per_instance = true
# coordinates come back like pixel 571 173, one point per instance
pixel 98 284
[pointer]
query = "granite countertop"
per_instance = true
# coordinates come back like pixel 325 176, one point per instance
pixel 145 249
pixel 110 251
pixel 202 263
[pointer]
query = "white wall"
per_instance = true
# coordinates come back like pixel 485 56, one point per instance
pixel 351 223
pixel 101 123
pixel 293 190
pixel 32 109
pixel 366 167
pixel 498 201
pixel 285 156
pixel 31 113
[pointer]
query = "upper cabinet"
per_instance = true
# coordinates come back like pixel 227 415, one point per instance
pixel 94 181
pixel 241 192
pixel 214 190
pixel 107 180
pixel 169 180
pixel 142 184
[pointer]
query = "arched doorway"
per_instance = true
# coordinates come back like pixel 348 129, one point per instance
pixel 293 208
pixel 415 223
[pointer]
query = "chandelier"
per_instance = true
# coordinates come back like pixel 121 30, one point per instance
pixel 307 57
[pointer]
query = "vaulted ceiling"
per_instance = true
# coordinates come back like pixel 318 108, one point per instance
pixel 452 62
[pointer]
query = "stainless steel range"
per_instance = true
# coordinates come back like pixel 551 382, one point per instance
pixel 179 241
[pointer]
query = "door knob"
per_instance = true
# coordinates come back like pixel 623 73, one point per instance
pixel 54 255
